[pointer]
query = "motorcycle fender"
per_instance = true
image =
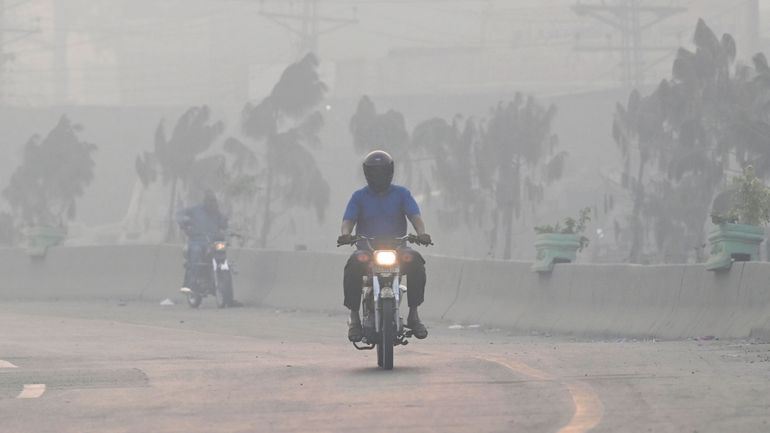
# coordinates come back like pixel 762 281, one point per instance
pixel 376 289
pixel 397 294
pixel 224 266
pixel 396 290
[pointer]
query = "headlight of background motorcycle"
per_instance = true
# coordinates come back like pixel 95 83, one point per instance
pixel 219 246
pixel 385 258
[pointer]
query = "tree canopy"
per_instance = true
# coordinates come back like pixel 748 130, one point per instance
pixel 287 124
pixel 677 143
pixel 54 172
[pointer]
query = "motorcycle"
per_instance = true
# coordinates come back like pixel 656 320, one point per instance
pixel 211 277
pixel 382 290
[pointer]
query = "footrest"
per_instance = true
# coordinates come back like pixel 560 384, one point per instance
pixel 369 347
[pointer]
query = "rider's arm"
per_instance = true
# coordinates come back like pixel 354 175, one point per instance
pixel 412 211
pixel 352 212
pixel 417 223
pixel 347 227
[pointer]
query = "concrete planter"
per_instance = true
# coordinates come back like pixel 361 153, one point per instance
pixel 553 248
pixel 40 238
pixel 733 242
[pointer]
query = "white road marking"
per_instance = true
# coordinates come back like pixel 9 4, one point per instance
pixel 34 390
pixel 6 364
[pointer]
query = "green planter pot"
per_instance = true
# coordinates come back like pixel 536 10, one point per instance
pixel 40 238
pixel 731 242
pixel 553 248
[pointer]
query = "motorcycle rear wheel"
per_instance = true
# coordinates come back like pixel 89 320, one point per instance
pixel 388 334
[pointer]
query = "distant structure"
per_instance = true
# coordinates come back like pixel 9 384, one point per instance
pixel 631 18
pixel 311 24
pixel 6 57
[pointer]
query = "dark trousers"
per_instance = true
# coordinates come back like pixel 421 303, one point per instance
pixel 412 265
pixel 194 255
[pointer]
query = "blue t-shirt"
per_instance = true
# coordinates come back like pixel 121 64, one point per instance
pixel 381 215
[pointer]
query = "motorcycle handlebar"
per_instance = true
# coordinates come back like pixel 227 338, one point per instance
pixel 411 238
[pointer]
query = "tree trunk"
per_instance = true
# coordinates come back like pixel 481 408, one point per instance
pixel 267 218
pixel 170 229
pixel 637 237
pixel 514 205
pixel 508 224
pixel 493 235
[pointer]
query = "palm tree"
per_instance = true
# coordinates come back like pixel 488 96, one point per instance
pixel 750 127
pixel 684 126
pixel 449 151
pixel 178 155
pixel 287 123
pixel 242 186
pixel 54 172
pixel 372 130
pixel 638 131
pixel 386 131
pixel 517 158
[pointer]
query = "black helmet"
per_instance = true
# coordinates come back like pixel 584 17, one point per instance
pixel 378 169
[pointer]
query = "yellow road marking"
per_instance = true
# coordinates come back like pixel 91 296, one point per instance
pixel 33 390
pixel 589 409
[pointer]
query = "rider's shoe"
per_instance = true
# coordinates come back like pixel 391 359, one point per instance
pixel 185 290
pixel 355 332
pixel 235 304
pixel 414 323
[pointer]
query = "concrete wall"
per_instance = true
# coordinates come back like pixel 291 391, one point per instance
pixel 589 300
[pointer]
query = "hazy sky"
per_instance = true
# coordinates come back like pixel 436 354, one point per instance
pixel 151 51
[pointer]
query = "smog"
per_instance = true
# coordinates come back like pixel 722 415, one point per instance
pixel 423 215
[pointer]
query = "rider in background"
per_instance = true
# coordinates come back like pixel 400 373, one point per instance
pixel 381 209
pixel 201 224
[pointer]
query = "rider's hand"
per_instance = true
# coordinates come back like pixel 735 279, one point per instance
pixel 424 239
pixel 345 239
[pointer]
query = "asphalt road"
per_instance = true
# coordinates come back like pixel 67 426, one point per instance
pixel 143 368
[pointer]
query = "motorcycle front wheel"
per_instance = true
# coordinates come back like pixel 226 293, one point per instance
pixel 223 289
pixel 194 300
pixel 388 334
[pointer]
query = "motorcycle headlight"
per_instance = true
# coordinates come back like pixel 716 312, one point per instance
pixel 385 258
pixel 219 246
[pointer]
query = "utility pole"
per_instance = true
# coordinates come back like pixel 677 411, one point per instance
pixel 631 18
pixel 311 24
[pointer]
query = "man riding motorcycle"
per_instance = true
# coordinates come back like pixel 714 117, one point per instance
pixel 381 209
pixel 202 224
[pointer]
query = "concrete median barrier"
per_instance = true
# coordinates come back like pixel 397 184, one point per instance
pixel 670 301
pixel 105 272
